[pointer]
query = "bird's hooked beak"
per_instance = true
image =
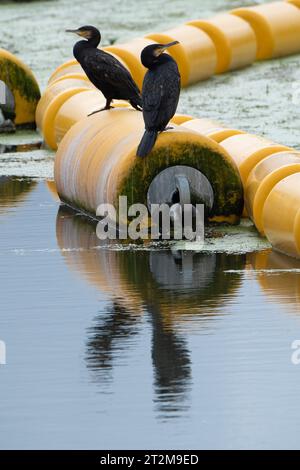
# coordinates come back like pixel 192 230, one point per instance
pixel 162 48
pixel 80 32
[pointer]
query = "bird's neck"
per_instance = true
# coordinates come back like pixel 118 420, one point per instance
pixel 163 59
pixel 95 40
pixel 82 46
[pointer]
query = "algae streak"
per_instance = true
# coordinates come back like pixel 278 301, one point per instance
pixel 17 79
pixel 223 176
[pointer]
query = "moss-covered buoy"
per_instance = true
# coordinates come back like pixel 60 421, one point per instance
pixel 96 163
pixel 22 85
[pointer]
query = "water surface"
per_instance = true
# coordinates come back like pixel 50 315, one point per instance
pixel 119 348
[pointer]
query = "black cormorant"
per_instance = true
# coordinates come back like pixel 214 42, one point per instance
pixel 104 70
pixel 160 94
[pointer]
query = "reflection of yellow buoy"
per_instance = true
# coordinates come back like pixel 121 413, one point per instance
pixel 193 283
pixel 212 129
pixel 234 39
pixel 96 162
pixel 52 188
pixel 278 276
pixel 281 216
pixel 78 107
pixel 77 238
pixel 196 54
pixel 51 101
pixel 264 176
pixel 248 149
pixel 277 28
pixel 22 84
pixel 130 54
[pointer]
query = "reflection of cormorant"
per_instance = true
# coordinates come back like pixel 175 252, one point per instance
pixel 104 70
pixel 171 364
pixel 170 289
pixel 116 327
pixel 160 95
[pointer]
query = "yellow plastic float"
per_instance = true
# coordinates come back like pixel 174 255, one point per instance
pixel 22 84
pixel 196 54
pixel 212 129
pixel 262 179
pixel 70 69
pixel 281 216
pixel 51 101
pixel 130 54
pixel 247 150
pixel 277 28
pixel 225 42
pixel 78 107
pixel 234 39
pixel 96 162
pixel 181 118
pixel 294 2
pixel 81 105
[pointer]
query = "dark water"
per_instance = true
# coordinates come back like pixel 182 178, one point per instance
pixel 150 349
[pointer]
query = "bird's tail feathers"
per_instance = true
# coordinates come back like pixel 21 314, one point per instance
pixel 147 143
pixel 136 103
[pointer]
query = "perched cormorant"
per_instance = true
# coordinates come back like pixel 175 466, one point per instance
pixel 104 70
pixel 160 94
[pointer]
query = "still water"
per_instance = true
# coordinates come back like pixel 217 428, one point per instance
pixel 122 348
pixel 119 348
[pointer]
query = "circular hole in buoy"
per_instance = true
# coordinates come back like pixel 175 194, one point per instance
pixel 181 184
pixel 7 106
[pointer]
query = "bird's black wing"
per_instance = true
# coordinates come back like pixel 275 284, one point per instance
pixel 105 71
pixel 161 89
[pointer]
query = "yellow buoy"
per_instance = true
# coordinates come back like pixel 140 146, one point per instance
pixel 96 163
pixel 213 129
pixel 51 101
pixel 181 118
pixel 22 84
pixel 67 70
pixel 81 105
pixel 294 2
pixel 72 69
pixel 196 55
pixel 234 39
pixel 78 107
pixel 281 216
pixel 277 28
pixel 130 54
pixel 264 176
pixel 248 149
